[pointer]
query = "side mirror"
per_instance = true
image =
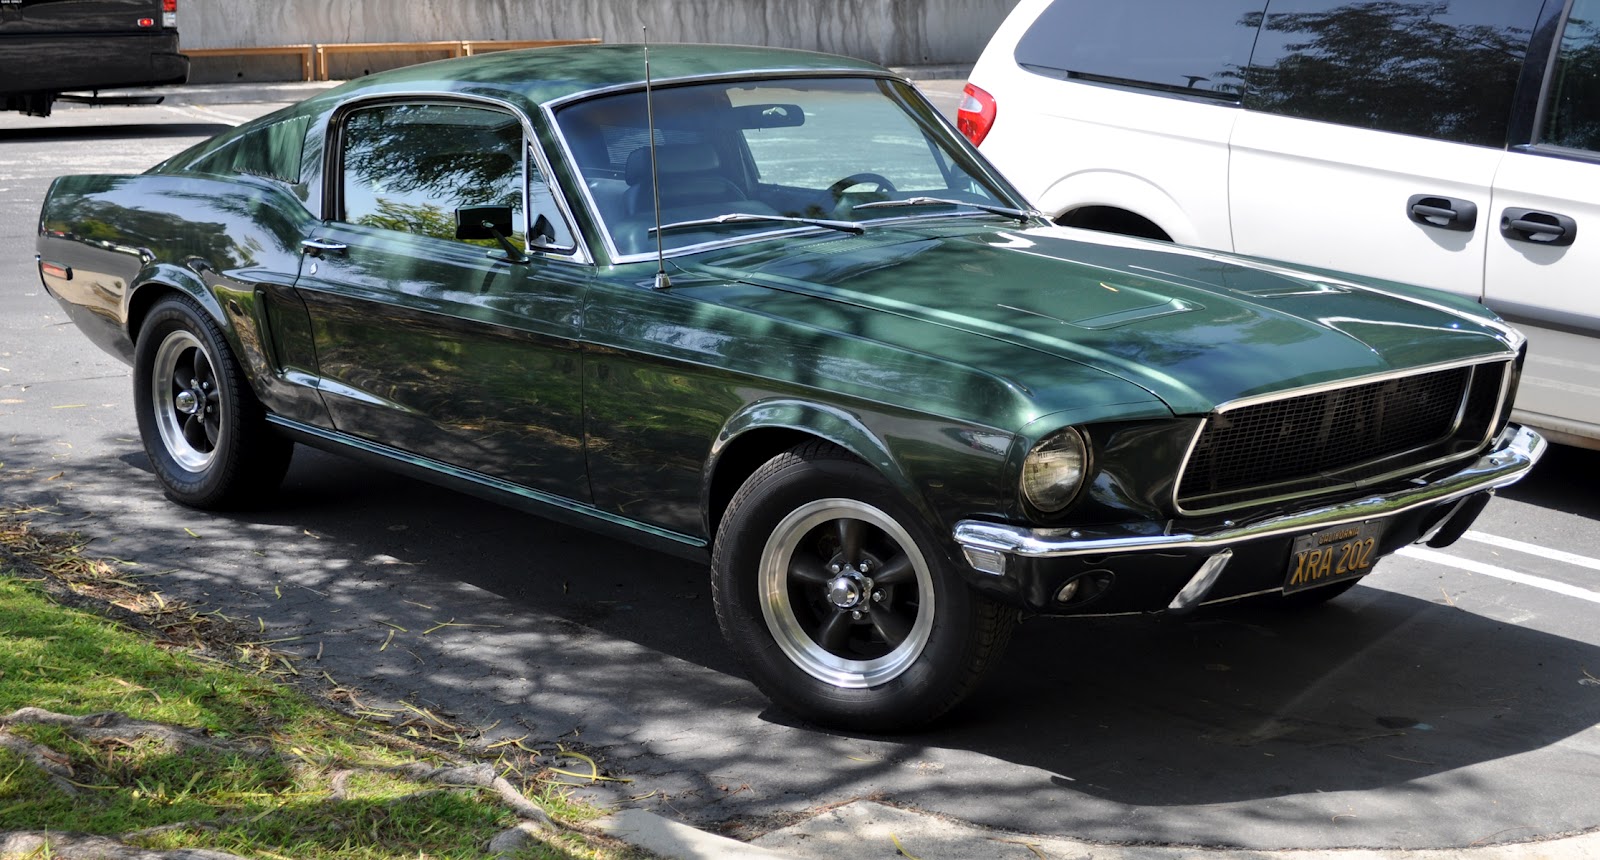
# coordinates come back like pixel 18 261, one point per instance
pixel 474 223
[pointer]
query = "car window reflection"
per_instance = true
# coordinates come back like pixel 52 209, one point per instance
pixel 806 149
pixel 410 167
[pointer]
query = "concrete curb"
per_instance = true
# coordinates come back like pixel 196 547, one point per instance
pixel 676 841
pixel 865 828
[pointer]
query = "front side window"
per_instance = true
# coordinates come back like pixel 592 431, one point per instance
pixel 1178 46
pixel 1572 111
pixel 763 151
pixel 1443 69
pixel 412 168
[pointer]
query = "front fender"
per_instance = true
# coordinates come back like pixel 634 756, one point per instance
pixel 941 467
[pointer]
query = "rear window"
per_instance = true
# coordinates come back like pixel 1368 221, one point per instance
pixel 1178 46
pixel 1444 69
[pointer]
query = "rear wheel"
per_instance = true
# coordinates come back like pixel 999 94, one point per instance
pixel 837 601
pixel 203 429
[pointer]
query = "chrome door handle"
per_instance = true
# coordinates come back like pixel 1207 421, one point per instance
pixel 318 247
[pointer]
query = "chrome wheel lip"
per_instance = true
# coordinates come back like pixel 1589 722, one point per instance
pixel 166 389
pixel 785 627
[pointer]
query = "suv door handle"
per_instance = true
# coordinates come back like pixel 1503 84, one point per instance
pixel 318 247
pixel 1539 228
pixel 1446 213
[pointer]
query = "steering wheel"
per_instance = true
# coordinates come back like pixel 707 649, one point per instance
pixel 838 189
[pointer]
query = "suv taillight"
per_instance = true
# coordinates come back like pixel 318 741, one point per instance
pixel 169 13
pixel 975 115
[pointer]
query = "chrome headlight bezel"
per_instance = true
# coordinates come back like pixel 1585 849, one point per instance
pixel 1054 471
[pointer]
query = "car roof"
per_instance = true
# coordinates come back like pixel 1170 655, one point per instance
pixel 538 76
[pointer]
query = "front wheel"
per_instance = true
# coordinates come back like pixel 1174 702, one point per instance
pixel 203 429
pixel 838 603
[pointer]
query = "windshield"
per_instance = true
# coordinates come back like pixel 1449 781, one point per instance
pixel 790 149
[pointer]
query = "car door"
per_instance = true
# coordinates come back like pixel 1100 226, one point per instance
pixel 1545 249
pixel 441 339
pixel 1372 134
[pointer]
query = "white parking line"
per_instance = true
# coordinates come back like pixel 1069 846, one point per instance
pixel 205 113
pixel 1501 573
pixel 1534 549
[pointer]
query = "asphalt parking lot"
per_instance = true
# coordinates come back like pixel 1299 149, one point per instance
pixel 1452 700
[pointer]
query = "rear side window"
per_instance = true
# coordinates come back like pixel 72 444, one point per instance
pixel 1572 115
pixel 273 151
pixel 1178 46
pixel 1445 69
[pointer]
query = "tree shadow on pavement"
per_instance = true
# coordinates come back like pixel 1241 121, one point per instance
pixel 1131 729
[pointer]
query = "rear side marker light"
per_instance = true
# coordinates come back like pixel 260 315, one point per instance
pixel 147 22
pixel 56 270
pixel 975 115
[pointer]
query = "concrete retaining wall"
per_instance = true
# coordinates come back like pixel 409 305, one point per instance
pixel 891 32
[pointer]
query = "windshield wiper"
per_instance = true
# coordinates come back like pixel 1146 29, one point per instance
pixel 1023 215
pixel 751 217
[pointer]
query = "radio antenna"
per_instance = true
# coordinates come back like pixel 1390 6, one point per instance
pixel 662 281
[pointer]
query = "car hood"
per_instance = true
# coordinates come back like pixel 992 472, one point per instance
pixel 1196 329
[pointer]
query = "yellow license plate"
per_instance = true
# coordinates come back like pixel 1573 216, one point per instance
pixel 1331 555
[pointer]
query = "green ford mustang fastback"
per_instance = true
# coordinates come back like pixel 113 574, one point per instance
pixel 768 307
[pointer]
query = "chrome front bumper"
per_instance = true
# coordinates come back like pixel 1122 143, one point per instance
pixel 987 546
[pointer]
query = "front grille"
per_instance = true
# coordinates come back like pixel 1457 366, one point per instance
pixel 1310 443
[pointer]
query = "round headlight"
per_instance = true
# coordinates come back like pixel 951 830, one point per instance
pixel 1053 471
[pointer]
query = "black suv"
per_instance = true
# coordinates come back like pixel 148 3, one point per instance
pixel 51 47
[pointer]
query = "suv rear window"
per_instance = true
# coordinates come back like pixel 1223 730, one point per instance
pixel 1178 46
pixel 1444 69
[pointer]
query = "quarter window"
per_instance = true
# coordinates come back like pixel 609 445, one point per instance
pixel 1444 69
pixel 271 151
pixel 1572 115
pixel 410 167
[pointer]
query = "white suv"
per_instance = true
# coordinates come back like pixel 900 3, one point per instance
pixel 1451 143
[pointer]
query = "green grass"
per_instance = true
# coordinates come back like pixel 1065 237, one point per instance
pixel 274 774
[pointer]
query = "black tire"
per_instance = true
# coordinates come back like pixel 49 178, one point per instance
pixel 203 429
pixel 890 641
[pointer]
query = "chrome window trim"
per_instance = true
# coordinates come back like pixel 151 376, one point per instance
pixel 1474 363
pixel 333 160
